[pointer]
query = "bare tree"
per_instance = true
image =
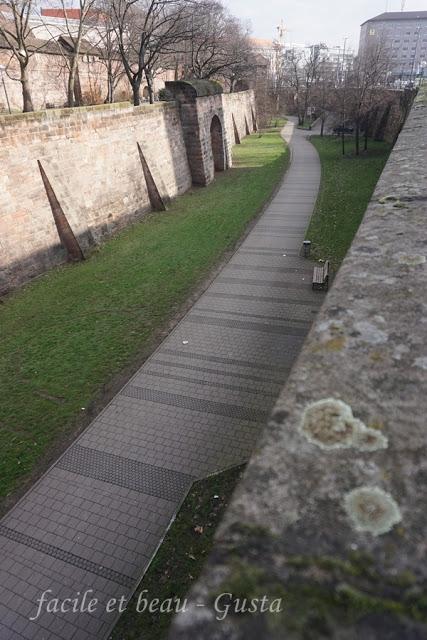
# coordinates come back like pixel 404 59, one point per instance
pixel 19 37
pixel 218 45
pixel 107 43
pixel 312 64
pixel 368 78
pixel 291 77
pixel 147 30
pixel 77 20
pixel 324 93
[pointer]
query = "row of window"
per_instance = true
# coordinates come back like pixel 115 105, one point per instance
pixel 416 32
pixel 407 40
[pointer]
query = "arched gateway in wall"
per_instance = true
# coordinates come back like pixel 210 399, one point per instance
pixel 217 142
pixel 202 116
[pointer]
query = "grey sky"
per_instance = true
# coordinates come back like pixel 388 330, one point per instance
pixel 309 21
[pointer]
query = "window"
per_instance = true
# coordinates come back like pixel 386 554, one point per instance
pixel 371 32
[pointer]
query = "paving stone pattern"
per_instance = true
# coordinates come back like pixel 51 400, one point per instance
pixel 195 407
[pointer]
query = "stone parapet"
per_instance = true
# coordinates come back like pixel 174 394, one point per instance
pixel 330 517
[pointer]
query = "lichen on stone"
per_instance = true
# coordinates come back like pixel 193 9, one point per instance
pixel 368 332
pixel 412 260
pixel 330 424
pixel 421 362
pixel 367 439
pixel 372 510
pixel 386 199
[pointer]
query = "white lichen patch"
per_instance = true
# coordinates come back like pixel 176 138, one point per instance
pixel 400 350
pixel 371 509
pixel 386 199
pixel 330 424
pixel 421 362
pixel 367 439
pixel 412 260
pixel 370 333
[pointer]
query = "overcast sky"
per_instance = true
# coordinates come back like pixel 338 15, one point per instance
pixel 310 21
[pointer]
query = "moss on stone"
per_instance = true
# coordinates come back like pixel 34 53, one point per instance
pixel 342 593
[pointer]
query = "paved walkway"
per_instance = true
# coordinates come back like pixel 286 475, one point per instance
pixel 96 518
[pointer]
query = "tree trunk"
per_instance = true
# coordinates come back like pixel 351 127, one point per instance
pixel 149 79
pixel 304 115
pixel 110 91
pixel 110 84
pixel 357 137
pixel 365 146
pixel 136 83
pixel 26 93
pixel 78 96
pixel 322 124
pixel 71 81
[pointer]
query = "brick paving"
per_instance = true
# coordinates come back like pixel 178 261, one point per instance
pixel 195 407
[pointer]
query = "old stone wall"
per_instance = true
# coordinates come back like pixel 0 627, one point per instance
pixel 86 161
pixel 91 159
pixel 244 111
pixel 389 118
pixel 204 109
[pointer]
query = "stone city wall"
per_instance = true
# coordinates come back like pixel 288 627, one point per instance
pixel 85 164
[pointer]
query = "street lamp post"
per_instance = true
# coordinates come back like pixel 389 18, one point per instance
pixel 2 70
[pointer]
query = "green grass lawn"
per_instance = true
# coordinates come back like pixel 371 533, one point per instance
pixel 66 334
pixel 346 187
pixel 181 556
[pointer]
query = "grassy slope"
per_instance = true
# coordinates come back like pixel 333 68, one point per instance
pixel 181 557
pixel 64 335
pixel 346 188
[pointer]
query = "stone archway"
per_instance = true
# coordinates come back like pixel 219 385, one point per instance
pixel 217 142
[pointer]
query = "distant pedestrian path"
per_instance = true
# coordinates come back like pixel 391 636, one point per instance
pixel 196 406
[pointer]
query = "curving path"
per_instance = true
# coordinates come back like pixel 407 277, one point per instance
pixel 195 407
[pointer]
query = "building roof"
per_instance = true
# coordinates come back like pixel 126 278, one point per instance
pixel 70 14
pixel 85 46
pixel 397 16
pixel 34 45
pixel 51 46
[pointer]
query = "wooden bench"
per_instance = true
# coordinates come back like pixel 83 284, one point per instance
pixel 321 276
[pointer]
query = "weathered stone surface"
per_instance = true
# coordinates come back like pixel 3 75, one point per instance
pixel 347 565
